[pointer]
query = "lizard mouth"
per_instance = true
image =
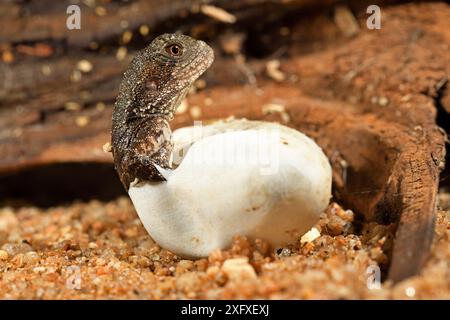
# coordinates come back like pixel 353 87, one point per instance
pixel 199 63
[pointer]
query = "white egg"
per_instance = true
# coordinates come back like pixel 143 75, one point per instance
pixel 251 178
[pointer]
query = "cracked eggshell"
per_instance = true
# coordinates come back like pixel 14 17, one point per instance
pixel 219 190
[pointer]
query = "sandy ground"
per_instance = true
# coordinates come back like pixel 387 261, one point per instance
pixel 100 250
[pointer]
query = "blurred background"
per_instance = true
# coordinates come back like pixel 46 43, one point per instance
pixel 58 86
pixel 368 81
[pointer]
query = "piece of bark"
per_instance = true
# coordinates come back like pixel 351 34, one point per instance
pixel 402 85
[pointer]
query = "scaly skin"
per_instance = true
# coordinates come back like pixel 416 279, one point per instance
pixel 152 88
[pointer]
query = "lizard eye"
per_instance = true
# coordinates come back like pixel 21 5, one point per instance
pixel 174 50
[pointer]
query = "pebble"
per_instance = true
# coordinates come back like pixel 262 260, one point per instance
pixel 4 255
pixel 284 31
pixel 75 76
pixel 127 36
pixel 200 84
pixel 285 118
pixel 383 101
pixel 272 108
pixel 232 43
pixel 186 264
pixel 15 248
pixel 144 30
pixel 346 21
pixel 92 245
pixel 93 45
pixel 273 70
pixel 84 66
pixel 283 252
pixel 218 13
pixel 107 147
pixel 310 236
pixel 7 219
pixel 208 101
pixel 72 106
pixel 46 70
pixel 121 53
pixel 195 112
pixel 31 258
pixel 100 106
pixel 39 269
pixel 82 121
pixel 100 11
pixel 238 269
pixel 89 3
pixel 7 56
pixel 124 24
pixel 100 262
pixel 410 292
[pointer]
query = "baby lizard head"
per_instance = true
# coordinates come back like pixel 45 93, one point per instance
pixel 160 75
